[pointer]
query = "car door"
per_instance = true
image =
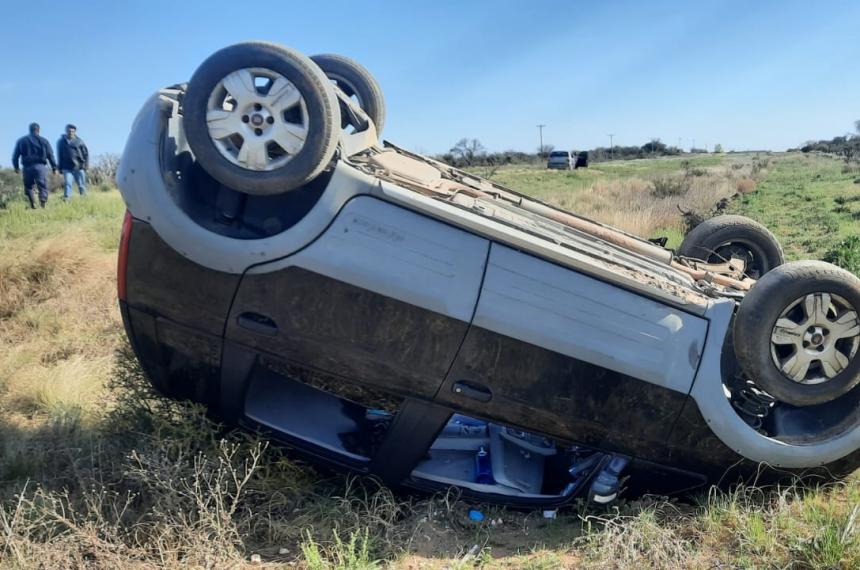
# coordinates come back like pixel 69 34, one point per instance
pixel 383 297
pixel 556 351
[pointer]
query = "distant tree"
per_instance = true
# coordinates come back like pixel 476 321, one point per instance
pixel 857 126
pixel 468 151
pixel 655 146
pixel 543 151
pixel 103 170
pixel 718 148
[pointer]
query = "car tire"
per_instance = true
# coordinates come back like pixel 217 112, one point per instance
pixel 715 240
pixel 281 140
pixel 793 311
pixel 355 80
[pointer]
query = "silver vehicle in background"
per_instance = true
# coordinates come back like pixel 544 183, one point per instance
pixel 561 160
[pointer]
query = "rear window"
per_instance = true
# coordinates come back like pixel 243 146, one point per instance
pixel 558 154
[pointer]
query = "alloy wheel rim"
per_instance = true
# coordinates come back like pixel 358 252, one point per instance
pixel 815 338
pixel 257 119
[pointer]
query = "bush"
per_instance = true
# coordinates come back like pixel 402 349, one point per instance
pixel 690 170
pixel 846 199
pixel 759 164
pixel 746 185
pixel 10 187
pixel 851 168
pixel 666 187
pixel 102 172
pixel 846 254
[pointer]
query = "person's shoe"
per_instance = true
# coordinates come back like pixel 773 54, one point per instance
pixel 42 203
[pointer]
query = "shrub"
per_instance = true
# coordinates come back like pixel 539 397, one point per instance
pixel 842 200
pixel 846 254
pixel 851 168
pixel 689 170
pixel 759 164
pixel 746 185
pixel 102 171
pixel 10 187
pixel 666 187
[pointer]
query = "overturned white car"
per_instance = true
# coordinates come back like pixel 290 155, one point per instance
pixel 393 315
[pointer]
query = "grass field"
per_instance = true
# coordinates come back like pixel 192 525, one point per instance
pixel 96 471
pixel 641 196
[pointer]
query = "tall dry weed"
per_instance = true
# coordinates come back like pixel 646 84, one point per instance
pixel 631 205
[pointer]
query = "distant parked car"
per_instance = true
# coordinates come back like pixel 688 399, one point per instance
pixel 561 159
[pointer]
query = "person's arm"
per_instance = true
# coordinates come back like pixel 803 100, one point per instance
pixel 60 148
pixel 16 155
pixel 50 150
pixel 86 152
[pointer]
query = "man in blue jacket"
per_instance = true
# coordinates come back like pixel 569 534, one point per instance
pixel 35 153
pixel 74 159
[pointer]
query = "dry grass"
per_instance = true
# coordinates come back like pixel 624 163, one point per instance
pixel 746 185
pixel 641 201
pixel 58 324
pixel 630 204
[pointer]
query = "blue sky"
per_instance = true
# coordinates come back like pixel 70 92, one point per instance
pixel 743 74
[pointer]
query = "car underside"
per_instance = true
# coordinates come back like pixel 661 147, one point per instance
pixel 387 313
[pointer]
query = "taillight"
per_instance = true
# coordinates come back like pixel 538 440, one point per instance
pixel 122 261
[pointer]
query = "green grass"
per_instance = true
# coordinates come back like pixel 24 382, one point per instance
pixel 354 554
pixel 98 213
pixel 807 202
pixel 546 184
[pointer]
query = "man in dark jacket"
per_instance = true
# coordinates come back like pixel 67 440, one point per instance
pixel 74 159
pixel 35 153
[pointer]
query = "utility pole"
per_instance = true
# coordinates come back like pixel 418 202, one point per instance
pixel 679 143
pixel 611 146
pixel 692 148
pixel 540 130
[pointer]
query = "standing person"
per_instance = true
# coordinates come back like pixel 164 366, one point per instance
pixel 74 159
pixel 35 153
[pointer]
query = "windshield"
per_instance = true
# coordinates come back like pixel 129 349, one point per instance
pixel 558 154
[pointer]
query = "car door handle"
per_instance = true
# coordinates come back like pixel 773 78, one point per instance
pixel 260 324
pixel 472 390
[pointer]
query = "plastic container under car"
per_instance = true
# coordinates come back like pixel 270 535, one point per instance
pixel 523 465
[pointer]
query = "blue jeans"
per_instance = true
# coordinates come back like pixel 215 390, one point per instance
pixel 79 177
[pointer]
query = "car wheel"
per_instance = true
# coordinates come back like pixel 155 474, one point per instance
pixel 720 238
pixel 356 81
pixel 261 118
pixel 797 333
